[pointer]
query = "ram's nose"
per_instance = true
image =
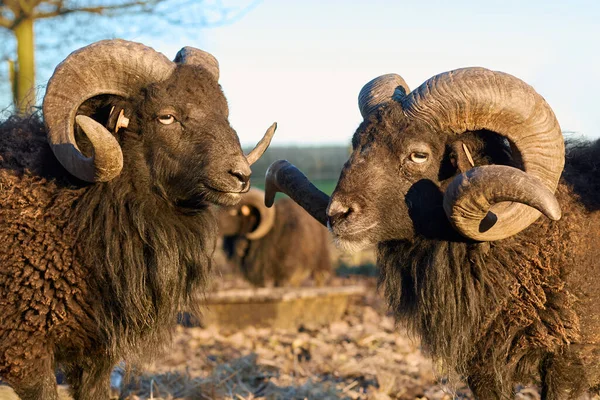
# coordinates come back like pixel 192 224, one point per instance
pixel 241 173
pixel 339 211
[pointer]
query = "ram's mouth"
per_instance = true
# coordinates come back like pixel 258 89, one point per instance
pixel 224 197
pixel 352 230
pixel 353 238
pixel 208 195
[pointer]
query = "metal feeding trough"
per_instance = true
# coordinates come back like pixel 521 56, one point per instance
pixel 283 308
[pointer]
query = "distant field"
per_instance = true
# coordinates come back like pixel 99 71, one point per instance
pixel 326 186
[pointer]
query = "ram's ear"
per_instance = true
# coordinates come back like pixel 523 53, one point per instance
pixel 117 119
pixel 461 157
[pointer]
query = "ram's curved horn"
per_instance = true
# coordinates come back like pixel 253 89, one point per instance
pixel 284 177
pixel 262 145
pixel 194 56
pixel 472 193
pixel 255 198
pixel 114 67
pixel 472 99
pixel 379 91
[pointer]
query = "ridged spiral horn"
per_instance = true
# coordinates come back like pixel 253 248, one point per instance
pixel 106 67
pixel 193 56
pixel 284 177
pixel 255 198
pixel 380 91
pixel 472 99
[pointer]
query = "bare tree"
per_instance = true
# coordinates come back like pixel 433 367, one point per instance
pixel 71 20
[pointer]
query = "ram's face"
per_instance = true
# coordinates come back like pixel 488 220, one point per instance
pixel 390 184
pixel 398 181
pixel 193 152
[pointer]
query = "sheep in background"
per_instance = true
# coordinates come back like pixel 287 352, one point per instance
pixel 282 245
pixel 449 181
pixel 106 229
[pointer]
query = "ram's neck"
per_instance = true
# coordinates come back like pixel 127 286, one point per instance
pixel 487 299
pixel 442 290
pixel 148 258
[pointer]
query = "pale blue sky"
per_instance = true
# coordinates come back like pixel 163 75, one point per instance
pixel 302 63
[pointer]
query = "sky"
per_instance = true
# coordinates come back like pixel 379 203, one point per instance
pixel 303 63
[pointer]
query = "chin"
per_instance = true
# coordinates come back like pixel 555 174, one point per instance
pixel 354 239
pixel 224 198
pixel 352 245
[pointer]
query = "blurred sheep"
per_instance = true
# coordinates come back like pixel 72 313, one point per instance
pixel 275 246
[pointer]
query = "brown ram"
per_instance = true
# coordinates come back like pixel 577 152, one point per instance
pixel 106 228
pixel 282 245
pixel 449 181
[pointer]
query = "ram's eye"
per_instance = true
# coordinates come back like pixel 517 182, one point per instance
pixel 419 158
pixel 166 119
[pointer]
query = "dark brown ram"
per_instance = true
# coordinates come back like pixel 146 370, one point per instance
pixel 449 181
pixel 282 245
pixel 106 232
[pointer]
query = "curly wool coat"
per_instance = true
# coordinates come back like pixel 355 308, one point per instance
pixel 89 274
pixel 500 312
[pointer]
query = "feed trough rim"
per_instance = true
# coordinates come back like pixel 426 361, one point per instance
pixel 283 294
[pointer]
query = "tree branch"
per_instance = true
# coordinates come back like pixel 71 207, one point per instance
pixel 28 7
pixel 13 6
pixel 6 23
pixel 20 9
pixel 94 10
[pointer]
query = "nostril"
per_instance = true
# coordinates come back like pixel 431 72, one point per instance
pixel 337 210
pixel 242 176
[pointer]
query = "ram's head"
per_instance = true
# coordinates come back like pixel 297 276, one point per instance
pixel 118 108
pixel 422 154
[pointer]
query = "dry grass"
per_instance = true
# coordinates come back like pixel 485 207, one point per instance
pixel 363 356
pixel 358 358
